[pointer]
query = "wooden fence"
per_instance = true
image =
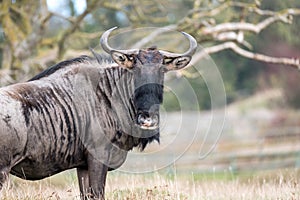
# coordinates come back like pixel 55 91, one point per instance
pixel 267 146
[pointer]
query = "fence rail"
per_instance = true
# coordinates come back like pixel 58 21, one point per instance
pixel 270 149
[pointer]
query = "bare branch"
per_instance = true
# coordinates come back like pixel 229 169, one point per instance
pixel 244 26
pixel 293 62
pixel 61 43
pixel 290 11
pixel 69 19
pixel 200 12
pixel 150 37
pixel 233 36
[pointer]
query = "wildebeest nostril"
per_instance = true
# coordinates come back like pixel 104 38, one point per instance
pixel 147 121
pixel 143 119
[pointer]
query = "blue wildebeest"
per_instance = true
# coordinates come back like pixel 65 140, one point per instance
pixel 85 113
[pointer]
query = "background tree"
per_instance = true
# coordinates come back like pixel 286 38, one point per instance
pixel 34 36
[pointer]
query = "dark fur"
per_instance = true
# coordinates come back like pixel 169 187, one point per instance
pixel 60 65
pixel 141 95
pixel 42 122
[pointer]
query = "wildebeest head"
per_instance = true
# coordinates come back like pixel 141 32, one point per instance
pixel 148 67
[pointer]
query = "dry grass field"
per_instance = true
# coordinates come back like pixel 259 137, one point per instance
pixel 251 143
pixel 279 184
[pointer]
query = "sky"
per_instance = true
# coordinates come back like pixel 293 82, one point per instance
pixel 56 6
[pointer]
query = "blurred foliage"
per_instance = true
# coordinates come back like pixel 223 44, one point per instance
pixel 282 39
pixel 243 77
pixel 33 36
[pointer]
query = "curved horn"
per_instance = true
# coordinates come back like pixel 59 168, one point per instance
pixel 189 52
pixel 108 49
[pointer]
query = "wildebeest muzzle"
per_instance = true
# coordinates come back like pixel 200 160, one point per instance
pixel 147 99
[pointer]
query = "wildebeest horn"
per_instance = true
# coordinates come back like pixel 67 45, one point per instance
pixel 189 52
pixel 108 49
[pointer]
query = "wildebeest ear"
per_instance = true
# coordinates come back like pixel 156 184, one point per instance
pixel 177 63
pixel 122 59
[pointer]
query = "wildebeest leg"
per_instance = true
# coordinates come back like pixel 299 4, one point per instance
pixel 83 180
pixel 97 177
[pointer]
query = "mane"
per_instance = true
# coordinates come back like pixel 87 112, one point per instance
pixel 99 58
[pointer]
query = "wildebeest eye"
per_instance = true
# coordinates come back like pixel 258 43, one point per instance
pixel 122 59
pixel 168 60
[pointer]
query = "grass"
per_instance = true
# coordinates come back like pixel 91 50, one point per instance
pixel 280 184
